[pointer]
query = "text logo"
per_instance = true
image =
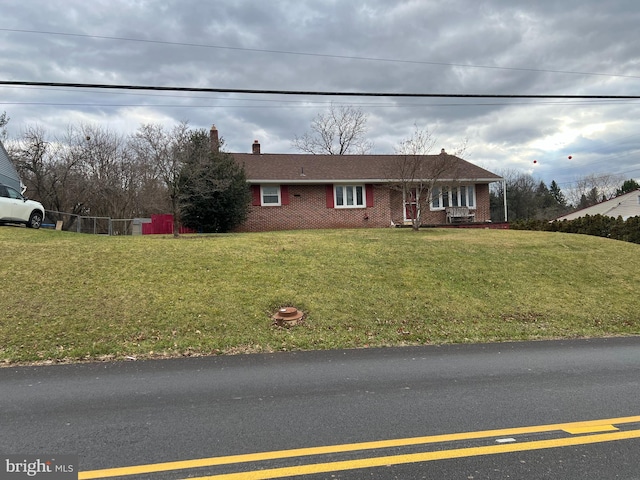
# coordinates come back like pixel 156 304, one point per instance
pixel 45 467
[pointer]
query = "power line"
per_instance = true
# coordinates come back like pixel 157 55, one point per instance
pixel 309 54
pixel 307 104
pixel 602 176
pixel 314 93
pixel 295 104
pixel 309 92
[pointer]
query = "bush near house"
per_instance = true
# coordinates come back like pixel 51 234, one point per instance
pixel 596 225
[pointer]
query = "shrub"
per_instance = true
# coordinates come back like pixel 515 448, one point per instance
pixel 595 225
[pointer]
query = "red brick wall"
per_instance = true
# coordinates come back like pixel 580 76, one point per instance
pixel 439 217
pixel 307 208
pixel 483 209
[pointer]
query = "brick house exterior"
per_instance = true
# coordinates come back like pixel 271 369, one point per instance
pixel 302 191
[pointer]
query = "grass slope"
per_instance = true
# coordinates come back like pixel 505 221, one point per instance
pixel 67 296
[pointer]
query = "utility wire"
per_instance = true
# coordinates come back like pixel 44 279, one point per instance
pixel 309 54
pixel 603 176
pixel 299 105
pixel 304 104
pixel 307 92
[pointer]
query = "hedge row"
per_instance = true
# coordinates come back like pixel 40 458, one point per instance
pixel 597 225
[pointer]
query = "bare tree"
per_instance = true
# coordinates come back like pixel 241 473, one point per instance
pixel 91 171
pixel 107 164
pixel 167 151
pixel 4 120
pixel 148 190
pixel 86 171
pixel 521 188
pixel 415 173
pixel 51 171
pixel 593 188
pixel 340 131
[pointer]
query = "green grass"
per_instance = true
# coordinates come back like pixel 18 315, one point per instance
pixel 67 296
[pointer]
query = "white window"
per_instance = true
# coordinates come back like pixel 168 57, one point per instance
pixel 270 195
pixel 349 196
pixel 454 196
pixel 436 199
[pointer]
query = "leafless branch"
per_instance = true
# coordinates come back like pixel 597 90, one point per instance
pixel 340 131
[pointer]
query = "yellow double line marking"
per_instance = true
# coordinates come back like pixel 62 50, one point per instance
pixel 592 427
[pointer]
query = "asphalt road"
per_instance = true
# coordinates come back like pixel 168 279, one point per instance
pixel 580 398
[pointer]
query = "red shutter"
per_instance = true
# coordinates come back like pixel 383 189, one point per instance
pixel 255 194
pixel 284 194
pixel 369 194
pixel 330 196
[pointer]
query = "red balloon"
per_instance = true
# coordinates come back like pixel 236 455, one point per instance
pixel 535 161
pixel 570 157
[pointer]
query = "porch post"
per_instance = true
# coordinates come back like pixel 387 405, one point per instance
pixel 504 195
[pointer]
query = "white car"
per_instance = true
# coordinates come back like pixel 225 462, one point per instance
pixel 14 208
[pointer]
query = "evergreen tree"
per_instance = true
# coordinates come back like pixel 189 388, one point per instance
pixel 544 198
pixel 215 196
pixel 628 186
pixel 527 199
pixel 589 199
pixel 557 194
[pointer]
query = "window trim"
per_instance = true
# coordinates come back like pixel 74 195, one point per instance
pixel 270 204
pixel 354 187
pixel 449 200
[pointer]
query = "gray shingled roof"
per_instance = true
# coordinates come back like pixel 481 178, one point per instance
pixel 8 174
pixel 304 168
pixel 625 206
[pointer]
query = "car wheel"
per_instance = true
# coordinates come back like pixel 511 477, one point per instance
pixel 35 220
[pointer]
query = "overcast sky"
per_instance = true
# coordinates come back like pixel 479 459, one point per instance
pixel 559 47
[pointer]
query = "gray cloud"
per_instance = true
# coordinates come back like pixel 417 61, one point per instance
pixel 461 46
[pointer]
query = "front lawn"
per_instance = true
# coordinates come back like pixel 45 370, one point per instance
pixel 67 296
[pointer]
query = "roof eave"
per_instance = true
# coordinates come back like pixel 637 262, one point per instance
pixel 308 181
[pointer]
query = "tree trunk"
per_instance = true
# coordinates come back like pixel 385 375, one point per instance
pixel 176 217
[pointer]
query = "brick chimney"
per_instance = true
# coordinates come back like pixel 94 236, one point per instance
pixel 256 147
pixel 214 139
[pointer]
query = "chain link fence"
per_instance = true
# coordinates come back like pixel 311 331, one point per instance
pixel 89 224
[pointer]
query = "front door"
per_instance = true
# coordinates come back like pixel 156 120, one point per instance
pixel 411 207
